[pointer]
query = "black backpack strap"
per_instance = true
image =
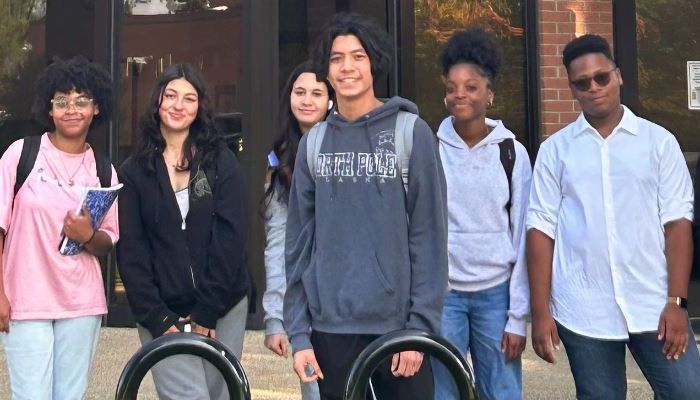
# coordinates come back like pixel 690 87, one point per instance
pixel 104 168
pixel 30 150
pixel 507 150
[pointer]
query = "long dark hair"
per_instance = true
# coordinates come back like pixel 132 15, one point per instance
pixel 285 147
pixel 204 137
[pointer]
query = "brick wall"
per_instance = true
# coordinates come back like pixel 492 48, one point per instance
pixel 560 21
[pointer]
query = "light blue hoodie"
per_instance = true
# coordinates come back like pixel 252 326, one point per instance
pixel 483 250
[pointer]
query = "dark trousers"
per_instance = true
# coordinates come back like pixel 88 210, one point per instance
pixel 598 366
pixel 336 354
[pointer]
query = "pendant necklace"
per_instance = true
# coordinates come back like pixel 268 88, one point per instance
pixel 71 177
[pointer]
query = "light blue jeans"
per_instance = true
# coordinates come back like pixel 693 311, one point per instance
pixel 474 322
pixel 50 359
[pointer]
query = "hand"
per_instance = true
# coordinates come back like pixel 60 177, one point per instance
pixel 78 227
pixel 513 345
pixel 545 337
pixel 406 363
pixel 172 329
pixel 673 327
pixel 302 358
pixel 4 313
pixel 278 344
pixel 196 328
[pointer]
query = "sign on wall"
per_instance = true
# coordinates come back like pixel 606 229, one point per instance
pixel 694 85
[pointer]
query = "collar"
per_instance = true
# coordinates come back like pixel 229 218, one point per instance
pixel 629 124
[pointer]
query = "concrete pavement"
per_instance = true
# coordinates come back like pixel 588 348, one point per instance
pixel 271 377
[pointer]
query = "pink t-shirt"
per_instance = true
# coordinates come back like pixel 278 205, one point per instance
pixel 40 282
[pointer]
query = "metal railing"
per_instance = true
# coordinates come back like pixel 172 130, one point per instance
pixel 405 340
pixel 183 343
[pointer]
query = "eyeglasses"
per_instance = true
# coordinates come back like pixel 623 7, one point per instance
pixel 62 103
pixel 584 84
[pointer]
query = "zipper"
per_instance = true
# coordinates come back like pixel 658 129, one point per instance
pixel 194 285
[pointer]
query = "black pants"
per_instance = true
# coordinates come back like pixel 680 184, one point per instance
pixel 336 354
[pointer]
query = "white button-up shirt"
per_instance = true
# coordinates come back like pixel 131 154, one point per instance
pixel 604 202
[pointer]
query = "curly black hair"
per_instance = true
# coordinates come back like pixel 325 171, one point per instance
pixel 204 138
pixel 583 45
pixel 374 40
pixel 473 46
pixel 75 74
pixel 285 147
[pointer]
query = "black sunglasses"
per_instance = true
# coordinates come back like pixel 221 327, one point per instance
pixel 584 84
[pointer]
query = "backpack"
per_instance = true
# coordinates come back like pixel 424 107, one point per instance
pixel 403 142
pixel 507 150
pixel 30 150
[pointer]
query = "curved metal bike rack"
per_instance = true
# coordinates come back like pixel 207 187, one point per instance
pixel 394 342
pixel 183 343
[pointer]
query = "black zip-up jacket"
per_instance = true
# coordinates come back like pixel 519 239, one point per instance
pixel 171 272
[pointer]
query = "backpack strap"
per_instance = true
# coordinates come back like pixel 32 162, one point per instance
pixel 507 150
pixel 314 139
pixel 104 169
pixel 30 150
pixel 403 143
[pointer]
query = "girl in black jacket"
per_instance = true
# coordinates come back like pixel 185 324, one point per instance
pixel 182 215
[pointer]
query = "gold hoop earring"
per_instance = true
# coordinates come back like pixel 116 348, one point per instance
pixel 444 100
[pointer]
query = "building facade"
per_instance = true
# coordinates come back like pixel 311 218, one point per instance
pixel 246 48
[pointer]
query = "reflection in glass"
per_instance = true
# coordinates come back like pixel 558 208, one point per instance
pixel 157 33
pixel 157 7
pixel 436 21
pixel 666 40
pixel 22 27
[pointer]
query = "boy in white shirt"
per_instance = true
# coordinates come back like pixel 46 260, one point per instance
pixel 609 241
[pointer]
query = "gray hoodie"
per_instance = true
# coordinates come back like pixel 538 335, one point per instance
pixel 355 264
pixel 483 250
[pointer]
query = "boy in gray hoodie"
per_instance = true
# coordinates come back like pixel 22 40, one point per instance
pixel 364 257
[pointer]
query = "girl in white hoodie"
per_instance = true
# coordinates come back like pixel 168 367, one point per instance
pixel 488 298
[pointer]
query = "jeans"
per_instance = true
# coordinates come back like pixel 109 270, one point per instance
pixel 598 366
pixel 474 322
pixel 50 359
pixel 192 378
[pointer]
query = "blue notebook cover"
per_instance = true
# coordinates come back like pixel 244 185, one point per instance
pixel 98 201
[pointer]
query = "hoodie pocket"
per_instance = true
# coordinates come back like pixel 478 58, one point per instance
pixel 368 294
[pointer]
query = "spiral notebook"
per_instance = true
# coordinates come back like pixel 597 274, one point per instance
pixel 98 201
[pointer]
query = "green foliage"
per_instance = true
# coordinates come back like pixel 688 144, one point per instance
pixel 437 20
pixel 668 35
pixel 16 17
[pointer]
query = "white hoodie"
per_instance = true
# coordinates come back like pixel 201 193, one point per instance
pixel 482 252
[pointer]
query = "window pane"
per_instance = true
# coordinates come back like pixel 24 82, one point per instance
pixel 155 34
pixel 436 21
pixel 666 40
pixel 22 48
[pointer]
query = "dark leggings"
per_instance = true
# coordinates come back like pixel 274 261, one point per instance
pixel 336 354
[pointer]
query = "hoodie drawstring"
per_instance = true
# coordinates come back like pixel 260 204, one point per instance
pixel 372 150
pixel 334 185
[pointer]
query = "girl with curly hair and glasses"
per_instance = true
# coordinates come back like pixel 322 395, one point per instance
pixel 51 305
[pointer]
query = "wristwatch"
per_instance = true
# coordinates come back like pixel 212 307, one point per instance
pixel 681 302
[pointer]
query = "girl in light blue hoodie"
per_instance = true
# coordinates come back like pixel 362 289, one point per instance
pixel 488 298
pixel 305 101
